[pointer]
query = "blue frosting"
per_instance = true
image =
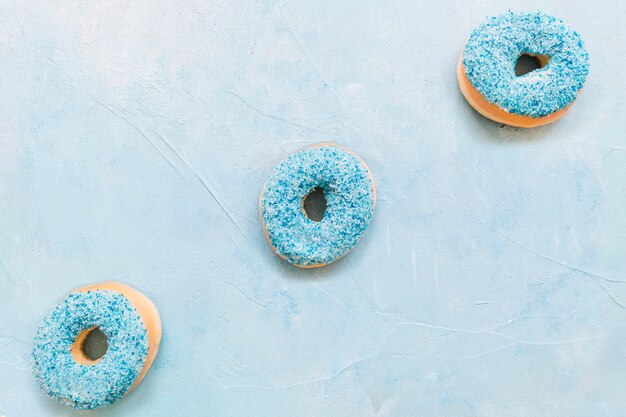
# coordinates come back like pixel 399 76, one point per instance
pixel 349 193
pixel 492 51
pixel 89 387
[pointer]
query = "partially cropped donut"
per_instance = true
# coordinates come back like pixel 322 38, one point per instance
pixel 350 199
pixel 132 325
pixel 486 69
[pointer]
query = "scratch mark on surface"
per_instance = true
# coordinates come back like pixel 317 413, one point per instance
pixel 306 55
pixel 519 245
pixel 264 114
pixel 600 181
pixel 374 303
pixel 514 340
pixel 6 339
pixel 611 151
pixel 490 331
pixel 608 293
pixel 242 292
pixel 19 363
pixel 331 377
pixel 201 179
pixel 558 342
pixel 414 266
pixel 236 365
pixel 333 299
pixel 127 121
pixel 204 182
pixel 16 283
pixel 131 125
pixel 110 109
pixel 434 327
pixel 362 291
pixel 376 295
pixel 487 352
pixel 388 243
pixel 436 277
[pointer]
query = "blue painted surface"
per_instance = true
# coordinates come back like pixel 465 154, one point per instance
pixel 135 140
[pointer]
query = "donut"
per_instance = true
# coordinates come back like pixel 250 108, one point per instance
pixel 132 325
pixel 350 195
pixel 486 69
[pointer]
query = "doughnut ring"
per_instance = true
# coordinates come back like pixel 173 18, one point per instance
pixel 486 69
pixel 350 194
pixel 132 325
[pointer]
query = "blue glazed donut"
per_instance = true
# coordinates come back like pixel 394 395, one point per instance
pixel 487 67
pixel 350 200
pixel 127 319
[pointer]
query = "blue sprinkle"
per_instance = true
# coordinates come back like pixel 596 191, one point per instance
pixel 492 51
pixel 349 193
pixel 89 387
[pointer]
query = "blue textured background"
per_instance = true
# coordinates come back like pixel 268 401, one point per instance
pixel 135 139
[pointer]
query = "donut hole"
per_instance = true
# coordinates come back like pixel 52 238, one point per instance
pixel 96 344
pixel 90 346
pixel 314 204
pixel 527 63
